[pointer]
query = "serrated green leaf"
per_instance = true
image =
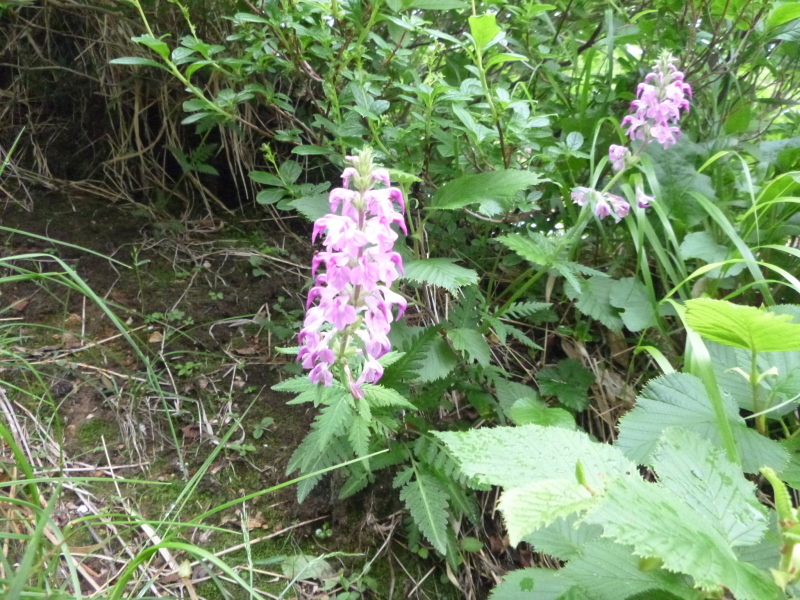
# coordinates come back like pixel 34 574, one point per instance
pixel 532 410
pixel 438 361
pixel 630 295
pixel 524 309
pixel 539 503
pixel 680 400
pixel 536 247
pixel 294 384
pixel 515 456
pixel 378 395
pixel 703 476
pixel 564 539
pixel 426 500
pixel 742 326
pixel 569 382
pixel 473 189
pixel 594 300
pixel 435 5
pixel 612 572
pixel 472 344
pixel 532 584
pixel 312 207
pixel 441 272
pixel 659 524
pixel 333 420
pixel 358 436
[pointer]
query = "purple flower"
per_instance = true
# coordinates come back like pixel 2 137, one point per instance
pixel 581 195
pixel 619 206
pixel 617 155
pixel 349 308
pixel 642 199
pixel 603 204
pixel 660 98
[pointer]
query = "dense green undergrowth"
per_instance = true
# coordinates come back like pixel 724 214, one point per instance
pixel 629 380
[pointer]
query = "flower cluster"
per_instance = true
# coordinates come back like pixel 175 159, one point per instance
pixel 348 325
pixel 659 101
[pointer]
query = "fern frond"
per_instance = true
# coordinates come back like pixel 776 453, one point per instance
pixel 519 310
pixel 307 459
pixel 427 500
pixel 405 368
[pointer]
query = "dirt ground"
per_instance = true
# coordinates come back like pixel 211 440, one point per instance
pixel 207 302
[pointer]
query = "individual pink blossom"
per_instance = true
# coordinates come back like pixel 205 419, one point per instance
pixel 642 199
pixel 617 155
pixel 349 310
pixel 603 204
pixel 660 98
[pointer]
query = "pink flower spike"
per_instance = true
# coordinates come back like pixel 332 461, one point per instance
pixel 349 310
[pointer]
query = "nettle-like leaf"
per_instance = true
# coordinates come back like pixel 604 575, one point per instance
pixel 630 295
pixel 515 456
pixel 441 272
pixel 593 298
pixel 478 188
pixel 702 475
pixel 533 584
pixel 426 500
pixel 659 524
pixel 472 344
pixel 743 326
pixel 539 503
pixel 532 410
pixel 701 244
pixel 565 538
pixel 613 572
pixel 569 382
pixel 680 400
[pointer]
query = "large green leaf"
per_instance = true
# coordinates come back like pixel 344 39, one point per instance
pixel 680 400
pixel 539 503
pixel 531 584
pixel 630 295
pixel 613 572
pixel 659 524
pixel 472 189
pixel 515 456
pixel 441 272
pixel 703 476
pixel 594 300
pixel 742 326
pixel 564 539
